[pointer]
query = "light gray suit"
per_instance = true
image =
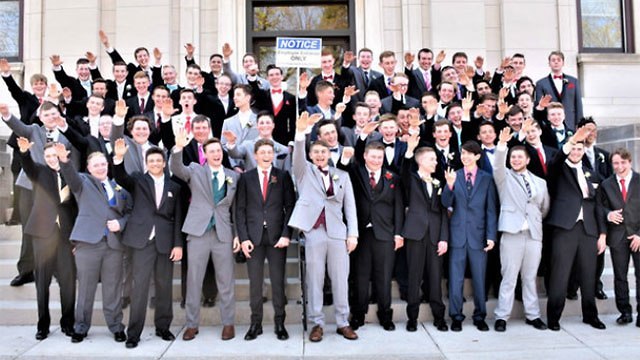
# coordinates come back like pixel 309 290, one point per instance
pixel 203 241
pixel 241 78
pixel 325 245
pixel 98 252
pixel 242 134
pixel 520 221
pixel 244 151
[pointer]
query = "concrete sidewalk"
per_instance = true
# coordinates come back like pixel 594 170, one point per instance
pixel 576 341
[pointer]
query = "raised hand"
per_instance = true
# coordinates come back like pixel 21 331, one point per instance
pixel 412 142
pixel 467 102
pixel 464 79
pixel 450 176
pixel 157 54
pixel 348 57
pixel 370 127
pixel 61 122
pixel 62 152
pixel 55 60
pixel 432 107
pixel 181 139
pixel 91 57
pixel 120 148
pixel 581 134
pixel 230 136
pixel 24 144
pixel 350 90
pixel 440 57
pixel 199 82
pixel 121 108
pixel 502 94
pixel 409 58
pixel 54 92
pixel 340 108
pixel 104 39
pixel 505 62
pixel 4 66
pixel 479 62
pixel 304 81
pixel 545 101
pixel 190 49
pixel 167 108
pixel 348 152
pixel 527 125
pixel 504 136
pixel 4 110
pixel 509 75
pixel 302 122
pixel 414 118
pixel 470 71
pixel 226 50
pixel 503 107
pixel 66 93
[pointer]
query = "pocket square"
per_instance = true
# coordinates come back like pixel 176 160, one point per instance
pixel 169 194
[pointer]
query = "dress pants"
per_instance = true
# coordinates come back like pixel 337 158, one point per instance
pixel 209 288
pixel 322 252
pixel 26 262
pixel 200 248
pixel 424 266
pixel 620 255
pixel 53 256
pixel 519 254
pixel 373 262
pixel 145 263
pixel 277 258
pixel 569 246
pixel 98 262
pixel 478 264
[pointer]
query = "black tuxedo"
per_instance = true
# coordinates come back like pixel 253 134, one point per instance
pixel 156 71
pixel 112 86
pixel 602 168
pixel 453 161
pixel 50 224
pixel 380 86
pixel 78 92
pixel 264 222
pixel 426 223
pixel 209 78
pixel 399 147
pixel 340 81
pixel 284 115
pixel 133 103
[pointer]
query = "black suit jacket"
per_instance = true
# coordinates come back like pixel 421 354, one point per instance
pixel 78 92
pixel 156 71
pixel 417 87
pixel 134 107
pixel 534 160
pixel 87 144
pixel 340 81
pixel 602 168
pixel 400 147
pixel 378 85
pixel 112 86
pixel 28 104
pixel 167 218
pixel 443 164
pixel 254 214
pixel 611 199
pixel 285 115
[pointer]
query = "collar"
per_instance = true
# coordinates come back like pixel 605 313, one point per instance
pixel 577 166
pixel 260 170
pixel 159 179
pixel 627 179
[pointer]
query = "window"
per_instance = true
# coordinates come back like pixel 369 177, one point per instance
pixel 331 20
pixel 11 30
pixel 605 26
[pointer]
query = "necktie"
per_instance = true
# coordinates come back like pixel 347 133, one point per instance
pixel 469 184
pixel 141 105
pixel 427 81
pixel 112 199
pixel 527 186
pixel 276 91
pixel 265 185
pixel 187 124
pixel 388 84
pixel 428 182
pixel 330 188
pixel 623 189
pixel 49 136
pixel 217 196
pixel 372 180
pixel 559 131
pixel 366 77
pixel 201 159
pixel 335 149
pixel 159 121
pixel 542 162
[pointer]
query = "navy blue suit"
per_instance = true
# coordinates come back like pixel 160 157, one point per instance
pixel 473 222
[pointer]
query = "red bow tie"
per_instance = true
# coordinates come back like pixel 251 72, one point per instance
pixel 330 77
pixel 557 77
pixel 276 91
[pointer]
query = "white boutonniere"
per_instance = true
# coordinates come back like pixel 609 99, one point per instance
pixel 128 87
pixel 117 188
pixel 587 174
pixel 440 191
pixel 565 81
pixel 229 180
pixel 335 177
pixel 169 194
pixel 435 183
pixel 450 156
pixel 601 157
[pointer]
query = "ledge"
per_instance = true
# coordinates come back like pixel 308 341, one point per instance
pixel 608 59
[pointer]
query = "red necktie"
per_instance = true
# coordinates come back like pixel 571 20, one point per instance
pixel 372 180
pixel 276 91
pixel 542 163
pixel 141 105
pixel 623 189
pixel 159 121
pixel 265 184
pixel 187 124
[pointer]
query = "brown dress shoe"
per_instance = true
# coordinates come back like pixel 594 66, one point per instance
pixel 228 332
pixel 348 333
pixel 316 334
pixel 190 334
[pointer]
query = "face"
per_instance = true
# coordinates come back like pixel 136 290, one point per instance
pixel 223 85
pixel 51 158
pixel 216 64
pixel 427 162
pixel 201 131
pixel 49 118
pixel 525 103
pixel 425 59
pixel 169 75
pixel 556 63
pixel 483 88
pixel 319 155
pixel 427 101
pixel 515 121
pixel 388 64
pixel 264 156
pixel 142 57
pixel 487 135
pixel 403 120
pixel 329 134
pixel 489 109
pixel 99 88
pixel 518 65
pixel 187 101
pixel 468 158
pixel 106 123
pixel 140 132
pixel 455 116
pixel 526 86
pixel 577 151
pixel 402 84
pixel 213 152
pixel 442 134
pixel 373 159
pixel 265 127
pixel 240 98
pixel 192 75
pixel 95 105
pixel 274 76
pixel 446 92
pixel 159 95
pixel 361 116
pixel 83 72
pixel 374 103
pixel 555 117
pixel 365 59
pixel 155 164
pixel 593 134
pixel 450 75
pixel 389 130
pixel 518 160
pixel 39 88
pixel 142 85
pixel 460 63
pixel 247 61
pixel 98 167
pixel 533 135
pixel 620 166
pixel 326 96
pixel 120 73
pixel 326 63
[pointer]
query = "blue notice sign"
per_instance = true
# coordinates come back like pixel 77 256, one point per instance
pixel 298 52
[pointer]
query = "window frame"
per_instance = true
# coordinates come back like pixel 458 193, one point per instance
pixel 627 31
pixel 20 31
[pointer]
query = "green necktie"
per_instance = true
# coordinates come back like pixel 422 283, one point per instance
pixel 218 194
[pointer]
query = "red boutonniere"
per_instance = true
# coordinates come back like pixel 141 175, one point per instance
pixel 388 175
pixel 273 180
pixel 392 186
pixel 286 102
pixel 571 86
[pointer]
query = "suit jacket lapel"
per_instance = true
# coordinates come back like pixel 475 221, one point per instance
pixel 364 177
pixel 553 87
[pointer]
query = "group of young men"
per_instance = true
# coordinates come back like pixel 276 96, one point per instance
pixel 420 175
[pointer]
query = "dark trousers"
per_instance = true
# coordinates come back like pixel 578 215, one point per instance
pixel 209 286
pixel 26 261
pixel 146 262
pixel 575 274
pixel 277 258
pixel 620 255
pixel 373 262
pixel 569 246
pixel 400 271
pixel 425 266
pixel 53 256
pixel 478 264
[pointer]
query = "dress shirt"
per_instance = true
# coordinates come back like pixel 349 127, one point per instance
pixel 582 182
pixel 221 176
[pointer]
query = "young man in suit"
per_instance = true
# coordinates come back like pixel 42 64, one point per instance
pixel 326 201
pixel 470 193
pixel 398 99
pixel 540 155
pixel 554 132
pixel 119 88
pixel 249 65
pixel 264 201
pixel 361 117
pixel 378 196
pixel 154 238
pixel 426 76
pixel 524 202
pixel 620 199
pixel 579 231
pixel 426 233
pixel 141 139
pixel 103 211
pixel 563 88
pixel 88 144
pixel 448 156
pixel 216 65
pixel 142 102
pixel 338 81
pixel 49 225
pixel 242 124
pixel 210 230
pixel 362 74
pixel 141 55
pixel 381 84
pixel 80 87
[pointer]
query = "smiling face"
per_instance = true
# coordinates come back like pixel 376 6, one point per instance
pixel 556 117
pixel 326 63
pixel 142 85
pixel 469 159
pixel 213 152
pixel 95 105
pixel 265 126
pixel 621 166
pixel 223 85
pixel 49 117
pixel 365 59
pixel 389 130
pixel 140 132
pixel 120 73
pixel 319 155
pixel 51 158
pixel 526 86
pixel 515 121
pixel 525 103
pixel 518 160
pixel 487 135
pixel 83 72
pixel 388 64
pixel 39 88
pixel 446 92
pixel 201 131
pixel 577 151
pixel 425 59
pixel 373 159
pixel 169 74
pixel 442 134
pixel 264 156
pixel 215 64
pixel 105 125
pixel 274 76
pixel 329 134
pixel 361 116
pixel 98 166
pixel 155 164
pixel 142 57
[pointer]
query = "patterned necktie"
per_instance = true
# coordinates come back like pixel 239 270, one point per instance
pixel 141 105
pixel 527 186
pixel 469 183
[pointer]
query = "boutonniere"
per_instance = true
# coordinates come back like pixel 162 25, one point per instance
pixel 128 87
pixel 569 134
pixel 435 183
pixel 571 86
pixel 169 194
pixel 249 125
pixel 388 175
pixel 335 177
pixel 439 191
pixel 565 81
pixel 601 157
pixel 286 102
pixel 450 156
pixel 229 180
pixel 587 174
pixel 273 180
pixel 117 188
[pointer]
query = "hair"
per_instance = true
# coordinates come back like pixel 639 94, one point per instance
pixel 472 147
pixel 586 120
pixel 216 55
pixel 386 54
pixel 364 49
pixel 187 91
pixel 94 95
pixel 523 93
pixel 137 50
pixel 372 93
pixel 99 81
pixel 319 143
pixel 141 74
pixel 323 85
pixel 363 105
pixel 262 142
pixel 524 79
pixel 486 97
pixel 213 140
pixel 424 50
pixel 519 148
pixel 119 63
pixel 447 83
pixel 137 118
pixel 272 67
pixel 445 68
pixel 82 61
pixel 200 119
pixel 459 54
pixel 193 66
pixel 48 105
pixel 483 81
pixel 169 66
pixel 246 89
pixel 515 110
pixel 387 117
pixel 429 93
pixel 555 105
pixel 421 151
pixel 556 53
pixel 48 145
pixel 518 55
pixel 95 154
pixel 226 76
pixel 38 77
pixel 326 122
pixel 161 87
pixel 255 58
pixel 454 104
pixel 399 75
pixel 624 153
pixel 374 145
pixel 155 150
pixel 326 52
pixel 265 113
pixel 488 123
pixel 441 122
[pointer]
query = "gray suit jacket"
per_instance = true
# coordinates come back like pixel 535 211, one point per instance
pixel 134 158
pixel 358 77
pixel 202 208
pixel 241 78
pixel 93 208
pixel 38 136
pixel 242 134
pixel 570 97
pixel 515 206
pixel 244 152
pixel 313 198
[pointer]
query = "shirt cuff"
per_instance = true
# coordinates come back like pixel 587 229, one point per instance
pixel 116 161
pixel 118 121
pixel 63 128
pixel 6 74
pixel 57 68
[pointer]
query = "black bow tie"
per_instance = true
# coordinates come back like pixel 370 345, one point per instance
pixel 559 131
pixel 386 145
pixel 490 150
pixel 335 149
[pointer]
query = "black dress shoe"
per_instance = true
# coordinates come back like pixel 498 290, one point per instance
pixel 601 295
pixel 595 323
pixel 120 336
pixel 412 325
pixel 209 302
pixel 356 322
pixel 554 326
pixel 624 319
pixel 42 334
pixel 388 325
pixel 500 325
pixel 78 337
pixel 254 331
pixel 536 323
pixel 441 325
pixel 68 331
pixel 131 343
pixel 456 325
pixel 281 332
pixel 22 279
pixel 572 296
pixel 165 334
pixel 481 325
